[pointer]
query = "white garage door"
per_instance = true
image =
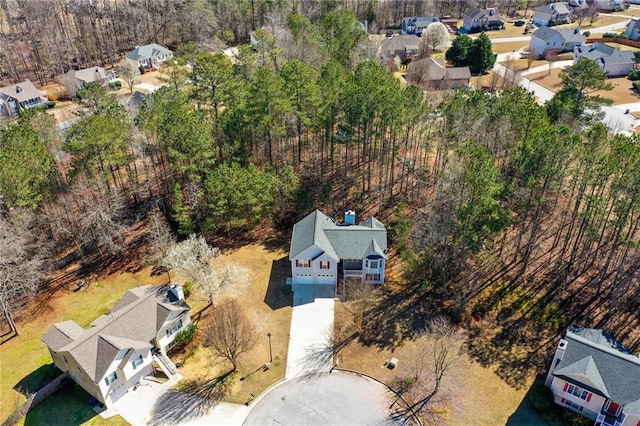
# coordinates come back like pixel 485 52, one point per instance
pixel 117 393
pixel 304 279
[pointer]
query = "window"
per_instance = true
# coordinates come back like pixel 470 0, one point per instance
pixel 579 392
pixel 303 263
pixel 373 264
pixel 137 361
pixel 174 327
pixel 571 404
pixel 111 378
pixel 324 265
pixel 372 277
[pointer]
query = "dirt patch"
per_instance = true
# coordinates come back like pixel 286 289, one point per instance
pixel 622 92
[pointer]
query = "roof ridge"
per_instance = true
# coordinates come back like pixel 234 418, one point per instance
pixel 124 310
pixel 629 357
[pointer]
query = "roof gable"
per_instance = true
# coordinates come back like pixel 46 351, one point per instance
pixel 22 91
pixel 337 241
pixel 597 360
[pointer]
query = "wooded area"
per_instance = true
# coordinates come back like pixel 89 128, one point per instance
pixel 513 218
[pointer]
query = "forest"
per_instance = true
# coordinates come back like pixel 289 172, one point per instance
pixel 513 218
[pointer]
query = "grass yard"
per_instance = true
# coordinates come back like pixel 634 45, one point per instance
pixel 269 309
pixel 509 46
pixel 509 30
pixel 26 362
pixel 477 396
pixel 621 93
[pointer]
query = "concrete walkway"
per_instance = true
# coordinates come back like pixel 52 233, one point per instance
pixel 310 338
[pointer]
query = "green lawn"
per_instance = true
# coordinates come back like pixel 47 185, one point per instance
pixel 26 363
pixel 68 406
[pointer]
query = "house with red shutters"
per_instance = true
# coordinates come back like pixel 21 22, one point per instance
pixel 595 375
pixel 324 253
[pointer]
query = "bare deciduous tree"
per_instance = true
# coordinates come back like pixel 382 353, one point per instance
pixel 128 73
pixel 21 266
pixel 436 352
pixel 160 239
pixel 229 333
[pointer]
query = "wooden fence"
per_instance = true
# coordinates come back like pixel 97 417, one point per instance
pixel 36 398
pixel 618 40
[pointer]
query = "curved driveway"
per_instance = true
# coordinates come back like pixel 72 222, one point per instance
pixel 337 398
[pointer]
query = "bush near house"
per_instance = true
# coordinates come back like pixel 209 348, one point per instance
pixel 634 75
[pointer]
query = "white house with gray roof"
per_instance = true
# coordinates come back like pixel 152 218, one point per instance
pixel 20 96
pixel 614 61
pixel 324 253
pixel 545 40
pixel 91 75
pixel 150 55
pixel 118 350
pixel 552 14
pixel 595 375
pixel 632 30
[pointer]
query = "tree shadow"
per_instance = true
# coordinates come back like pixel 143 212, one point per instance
pixel 196 398
pixel 396 317
pixel 37 379
pixel 525 414
pixel 275 296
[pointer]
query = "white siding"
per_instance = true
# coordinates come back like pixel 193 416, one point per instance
pixel 591 407
pixel 313 274
pixel 631 420
pixel 617 69
pixel 165 339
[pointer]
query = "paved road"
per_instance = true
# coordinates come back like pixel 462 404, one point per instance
pixel 336 398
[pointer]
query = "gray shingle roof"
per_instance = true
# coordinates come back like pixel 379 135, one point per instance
pixel 620 57
pixel 61 334
pixel 430 69
pixel 593 359
pixel 337 241
pixel 472 12
pixel 89 75
pixel 22 91
pixel 401 42
pixel 147 51
pixel 133 323
pixel 595 51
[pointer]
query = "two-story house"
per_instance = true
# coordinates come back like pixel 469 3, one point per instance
pixel 595 375
pixel 324 253
pixel 118 350
pixel 614 61
pixel 406 47
pixel 552 14
pixel 20 96
pixel 545 40
pixel 150 55
pixel 416 24
pixel 475 20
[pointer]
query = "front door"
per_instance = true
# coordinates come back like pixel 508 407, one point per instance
pixel 612 408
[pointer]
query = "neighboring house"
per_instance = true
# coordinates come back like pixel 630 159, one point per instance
pixel 545 40
pixel 117 350
pixel 614 61
pixel 475 19
pixel 406 47
pixel 432 73
pixel 578 5
pixel 416 24
pixel 633 29
pixel 150 55
pixel 552 14
pixel 595 375
pixel 20 96
pixel 609 5
pixel 92 75
pixel 324 253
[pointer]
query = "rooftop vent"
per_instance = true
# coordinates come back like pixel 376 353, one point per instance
pixel 18 89
pixel 562 345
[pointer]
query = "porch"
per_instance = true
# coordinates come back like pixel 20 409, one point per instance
pixel 605 419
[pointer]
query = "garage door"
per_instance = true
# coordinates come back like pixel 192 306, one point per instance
pixel 304 279
pixel 308 293
pixel 117 393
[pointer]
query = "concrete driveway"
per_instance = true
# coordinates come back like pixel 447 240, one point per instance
pixel 337 398
pixel 310 338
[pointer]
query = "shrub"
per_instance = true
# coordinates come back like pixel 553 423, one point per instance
pixel 634 75
pixel 586 33
pixel 142 69
pixel 187 288
pixel 609 35
pixel 185 336
pixel 51 104
pixel 541 398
